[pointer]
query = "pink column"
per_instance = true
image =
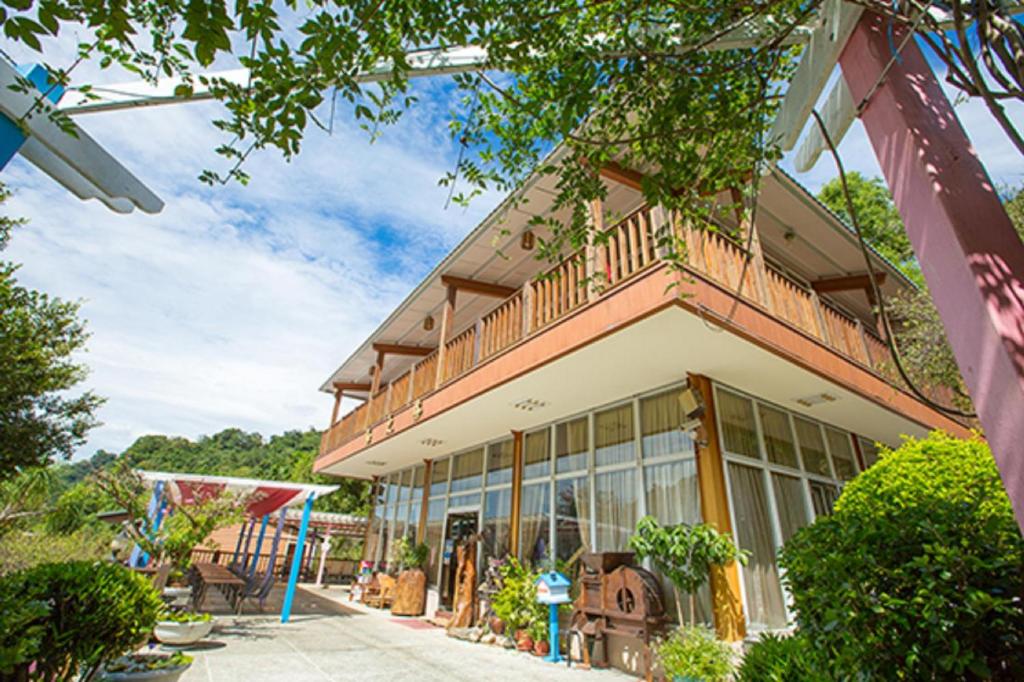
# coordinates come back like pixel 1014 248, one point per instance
pixel 971 257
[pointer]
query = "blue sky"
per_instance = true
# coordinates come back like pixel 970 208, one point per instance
pixel 231 306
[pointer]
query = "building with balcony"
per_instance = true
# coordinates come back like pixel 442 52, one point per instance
pixel 544 412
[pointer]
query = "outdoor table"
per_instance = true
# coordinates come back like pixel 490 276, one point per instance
pixel 206 574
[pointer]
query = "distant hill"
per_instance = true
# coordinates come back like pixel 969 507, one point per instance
pixel 232 452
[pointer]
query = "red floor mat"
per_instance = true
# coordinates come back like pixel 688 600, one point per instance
pixel 414 623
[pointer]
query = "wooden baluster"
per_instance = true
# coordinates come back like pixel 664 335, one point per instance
pixel 632 227
pixel 823 332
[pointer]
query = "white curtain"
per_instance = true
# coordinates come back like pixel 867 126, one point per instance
pixel 778 437
pixel 439 477
pixel 571 445
pixel 616 507
pixel 613 436
pixel 572 516
pixel 812 447
pixel 739 433
pixel 841 447
pixel 660 419
pixel 764 604
pixel 536 454
pixel 499 462
pixel 497 511
pixel 789 498
pixel 467 470
pixel 535 545
pixel 435 522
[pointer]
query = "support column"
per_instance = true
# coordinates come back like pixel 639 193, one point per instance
pixel 517 493
pixel 970 255
pixel 447 320
pixel 293 577
pixel 727 603
pixel 338 395
pixel 325 547
pixel 378 371
pixel 259 545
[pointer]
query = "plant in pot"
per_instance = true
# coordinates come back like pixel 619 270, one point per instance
pixel 538 632
pixel 72 619
pixel 146 668
pixel 182 628
pixel 693 654
pixel 685 555
pixel 411 587
pixel 515 604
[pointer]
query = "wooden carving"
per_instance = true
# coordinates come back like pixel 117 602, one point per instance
pixel 410 594
pixel 464 602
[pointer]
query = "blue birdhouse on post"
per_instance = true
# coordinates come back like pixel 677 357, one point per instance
pixel 553 589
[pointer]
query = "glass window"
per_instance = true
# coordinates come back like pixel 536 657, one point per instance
pixel 412 530
pixel 537 454
pixel 401 517
pixel 823 497
pixel 534 543
pixel 571 445
pixel 390 489
pixel 435 528
pixel 417 482
pixel 405 483
pixel 467 500
pixel 841 447
pixel 739 433
pixel 439 477
pixel 613 436
pixel 672 493
pixel 497 511
pixel 373 534
pixel 572 517
pixel 789 498
pixel 616 509
pixel 812 447
pixel 499 462
pixel 778 437
pixel 868 450
pixel 764 605
pixel 467 470
pixel 660 420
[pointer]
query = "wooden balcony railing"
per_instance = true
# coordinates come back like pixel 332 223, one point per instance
pixel 629 247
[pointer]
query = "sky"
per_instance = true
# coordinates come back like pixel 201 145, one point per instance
pixel 233 305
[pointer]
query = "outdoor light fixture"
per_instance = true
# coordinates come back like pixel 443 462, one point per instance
pixel 529 404
pixel 376 463
pixel 428 323
pixel 431 442
pixel 691 402
pixel 816 399
pixel 526 240
pixel 789 235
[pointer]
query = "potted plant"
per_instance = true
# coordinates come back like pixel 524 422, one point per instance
pixel 182 628
pixel 72 619
pixel 147 668
pixel 694 654
pixel 411 587
pixel 538 632
pixel 515 604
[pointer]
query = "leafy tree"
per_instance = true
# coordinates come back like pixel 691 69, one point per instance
pixel 684 554
pixel 917 575
pixel 38 337
pixel 23 497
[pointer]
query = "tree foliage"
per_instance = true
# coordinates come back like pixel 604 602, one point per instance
pixel 919 572
pixel 39 335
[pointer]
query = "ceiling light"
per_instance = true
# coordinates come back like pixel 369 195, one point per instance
pixel 431 442
pixel 529 404
pixel 376 463
pixel 816 399
pixel 428 323
pixel 526 240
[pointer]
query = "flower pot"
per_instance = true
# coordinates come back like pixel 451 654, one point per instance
pixel 182 634
pixel 497 626
pixel 137 673
pixel 541 647
pixel 525 643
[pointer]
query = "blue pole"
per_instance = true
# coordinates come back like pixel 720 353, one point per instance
pixel 138 557
pixel 259 545
pixel 553 656
pixel 293 578
pixel 11 135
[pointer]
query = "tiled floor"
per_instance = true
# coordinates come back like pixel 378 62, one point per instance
pixel 328 639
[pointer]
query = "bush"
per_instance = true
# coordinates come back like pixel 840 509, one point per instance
pixel 919 572
pixel 516 602
pixel 780 659
pixel 694 651
pixel 94 612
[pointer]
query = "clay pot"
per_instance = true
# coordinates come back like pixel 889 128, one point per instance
pixel 497 626
pixel 525 643
pixel 541 647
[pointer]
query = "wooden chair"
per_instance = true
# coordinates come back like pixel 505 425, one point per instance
pixel 386 594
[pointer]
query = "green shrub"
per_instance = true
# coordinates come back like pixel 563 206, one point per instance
pixel 695 652
pixel 516 602
pixel 780 659
pixel 95 612
pixel 919 573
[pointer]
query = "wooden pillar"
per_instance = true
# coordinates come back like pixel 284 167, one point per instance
pixel 970 255
pixel 378 371
pixel 447 320
pixel 421 528
pixel 338 395
pixel 726 598
pixel 517 492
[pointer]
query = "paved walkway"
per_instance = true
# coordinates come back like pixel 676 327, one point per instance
pixel 329 639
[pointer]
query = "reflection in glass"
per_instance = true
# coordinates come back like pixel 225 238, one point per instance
pixel 613 436
pixel 534 544
pixel 537 454
pixel 467 470
pixel 778 437
pixel 571 445
pixel 660 420
pixel 499 462
pixel 616 509
pixel 572 517
pixel 739 433
pixel 812 447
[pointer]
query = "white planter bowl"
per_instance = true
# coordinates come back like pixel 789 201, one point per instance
pixel 181 634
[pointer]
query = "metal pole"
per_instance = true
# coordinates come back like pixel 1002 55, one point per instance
pixel 259 545
pixel 293 578
pixel 553 655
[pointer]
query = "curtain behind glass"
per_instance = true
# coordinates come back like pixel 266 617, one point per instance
pixel 417 482
pixel 789 498
pixel 435 528
pixel 467 470
pixel 534 544
pixel 439 477
pixel 571 445
pixel 660 419
pixel 413 527
pixel 778 437
pixel 764 605
pixel 613 436
pixel 616 509
pixel 405 483
pixel 812 447
pixel 572 516
pixel 497 511
pixel 739 433
pixel 823 497
pixel 537 454
pixel 499 462
pixel 841 447
pixel 673 497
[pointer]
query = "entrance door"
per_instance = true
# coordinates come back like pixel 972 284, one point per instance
pixel 459 527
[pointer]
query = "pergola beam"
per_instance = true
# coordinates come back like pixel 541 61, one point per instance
pixel 477 287
pixel 850 283
pixel 399 349
pixel 350 386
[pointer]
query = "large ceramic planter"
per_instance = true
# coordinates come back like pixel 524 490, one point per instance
pixel 182 634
